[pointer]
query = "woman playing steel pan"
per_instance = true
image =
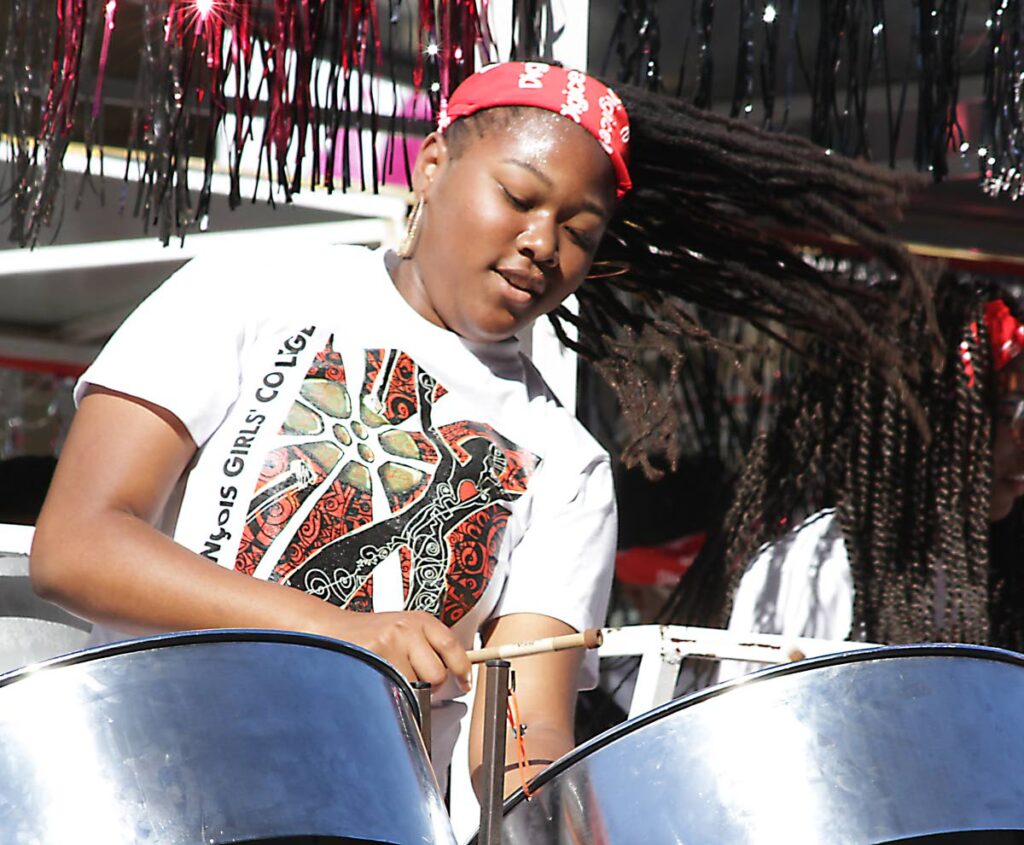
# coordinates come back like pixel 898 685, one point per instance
pixel 362 427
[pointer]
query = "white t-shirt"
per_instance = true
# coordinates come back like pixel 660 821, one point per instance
pixel 350 448
pixel 799 586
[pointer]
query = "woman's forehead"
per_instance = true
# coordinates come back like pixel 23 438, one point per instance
pixel 543 140
pixel 526 124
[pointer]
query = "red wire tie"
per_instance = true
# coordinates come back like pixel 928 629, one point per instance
pixel 518 731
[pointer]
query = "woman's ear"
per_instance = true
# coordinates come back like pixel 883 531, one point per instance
pixel 430 161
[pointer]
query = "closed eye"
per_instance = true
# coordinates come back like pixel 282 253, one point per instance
pixel 516 202
pixel 581 240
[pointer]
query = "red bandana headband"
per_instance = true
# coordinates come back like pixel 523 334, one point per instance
pixel 1005 333
pixel 570 93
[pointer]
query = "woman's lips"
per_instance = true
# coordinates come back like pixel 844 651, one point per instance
pixel 516 288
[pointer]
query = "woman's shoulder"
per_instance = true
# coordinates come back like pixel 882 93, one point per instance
pixel 800 585
pixel 814 542
pixel 279 264
pixel 569 440
pixel 294 270
pixel 267 285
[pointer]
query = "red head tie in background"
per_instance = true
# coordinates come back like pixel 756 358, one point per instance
pixel 1005 333
pixel 570 93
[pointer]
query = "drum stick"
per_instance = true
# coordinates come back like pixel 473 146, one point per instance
pixel 591 638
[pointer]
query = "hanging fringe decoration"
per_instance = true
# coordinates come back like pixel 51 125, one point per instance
pixel 37 171
pixel 706 60
pixel 291 90
pixel 303 93
pixel 769 61
pixel 1001 152
pixel 534 33
pixel 846 65
pixel 743 80
pixel 860 80
pixel 940 30
pixel 636 42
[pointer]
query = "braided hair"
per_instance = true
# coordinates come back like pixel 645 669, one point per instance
pixel 716 208
pixel 913 510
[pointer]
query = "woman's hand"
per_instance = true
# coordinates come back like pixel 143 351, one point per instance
pixel 417 644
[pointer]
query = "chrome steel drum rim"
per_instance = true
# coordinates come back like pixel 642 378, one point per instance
pixel 218 635
pixel 856 656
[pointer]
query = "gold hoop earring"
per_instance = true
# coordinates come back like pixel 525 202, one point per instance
pixel 607 270
pixel 412 230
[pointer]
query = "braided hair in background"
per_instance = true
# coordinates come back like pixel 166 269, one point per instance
pixel 913 509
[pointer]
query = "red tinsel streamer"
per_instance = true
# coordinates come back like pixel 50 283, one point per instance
pixel 67 55
pixel 108 28
pixel 309 70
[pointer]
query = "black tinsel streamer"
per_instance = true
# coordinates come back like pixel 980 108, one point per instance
pixel 1001 152
pixel 792 48
pixel 705 58
pixel 744 78
pixel 939 33
pixel 769 61
pixel 636 43
pixel 824 77
pixel 23 64
pixel 859 78
pixel 526 24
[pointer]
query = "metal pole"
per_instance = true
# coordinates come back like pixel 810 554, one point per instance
pixel 422 691
pixel 527 46
pixel 496 676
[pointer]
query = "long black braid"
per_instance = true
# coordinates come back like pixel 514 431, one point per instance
pixel 701 227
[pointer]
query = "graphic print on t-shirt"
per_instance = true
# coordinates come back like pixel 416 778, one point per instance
pixel 352 486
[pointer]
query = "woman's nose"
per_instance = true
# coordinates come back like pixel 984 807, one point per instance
pixel 539 241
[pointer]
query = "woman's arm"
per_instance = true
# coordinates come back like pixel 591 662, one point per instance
pixel 96 550
pixel 546 693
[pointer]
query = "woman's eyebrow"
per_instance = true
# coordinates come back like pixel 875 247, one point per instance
pixel 536 171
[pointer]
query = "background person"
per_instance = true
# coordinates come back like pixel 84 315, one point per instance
pixel 907 535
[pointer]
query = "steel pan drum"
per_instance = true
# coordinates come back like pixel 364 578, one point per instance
pixel 874 746
pixel 215 737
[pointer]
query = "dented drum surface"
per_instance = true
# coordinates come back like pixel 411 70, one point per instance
pixel 215 737
pixel 872 746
